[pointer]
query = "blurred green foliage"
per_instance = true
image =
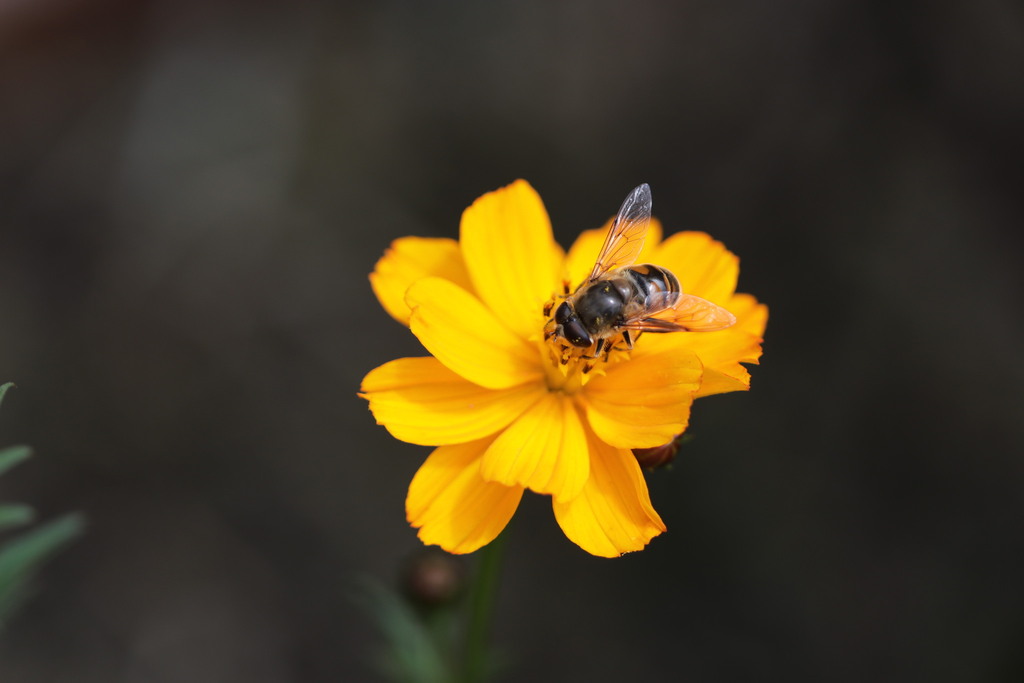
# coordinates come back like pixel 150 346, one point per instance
pixel 436 623
pixel 418 646
pixel 21 556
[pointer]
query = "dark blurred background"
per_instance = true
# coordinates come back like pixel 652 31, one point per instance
pixel 191 197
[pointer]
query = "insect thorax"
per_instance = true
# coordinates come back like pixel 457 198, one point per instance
pixel 601 305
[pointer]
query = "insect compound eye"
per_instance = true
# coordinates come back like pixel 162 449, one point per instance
pixel 563 313
pixel 576 333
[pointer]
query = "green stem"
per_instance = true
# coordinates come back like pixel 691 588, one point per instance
pixel 481 606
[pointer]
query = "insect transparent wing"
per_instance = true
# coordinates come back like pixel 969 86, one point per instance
pixel 653 325
pixel 687 312
pixel 625 238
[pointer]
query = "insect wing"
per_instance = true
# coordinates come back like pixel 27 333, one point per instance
pixel 675 312
pixel 697 314
pixel 625 238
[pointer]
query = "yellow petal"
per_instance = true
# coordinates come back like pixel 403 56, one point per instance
pixel 584 251
pixel 751 316
pixel 512 258
pixel 407 260
pixel 704 267
pixel 452 506
pixel 645 401
pixel 722 352
pixel 544 450
pixel 421 401
pixel 613 513
pixel 464 335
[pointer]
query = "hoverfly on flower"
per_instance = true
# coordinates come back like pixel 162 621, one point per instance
pixel 620 300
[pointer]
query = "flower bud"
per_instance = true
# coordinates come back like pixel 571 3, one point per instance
pixel 659 456
pixel 432 578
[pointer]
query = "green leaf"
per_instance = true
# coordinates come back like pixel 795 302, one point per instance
pixel 21 557
pixel 415 651
pixel 3 390
pixel 15 515
pixel 12 455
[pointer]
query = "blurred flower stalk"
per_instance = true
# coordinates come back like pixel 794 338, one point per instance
pixel 436 623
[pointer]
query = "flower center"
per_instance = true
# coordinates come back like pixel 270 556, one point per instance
pixel 569 367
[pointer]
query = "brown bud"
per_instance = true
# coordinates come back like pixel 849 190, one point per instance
pixel 433 578
pixel 659 456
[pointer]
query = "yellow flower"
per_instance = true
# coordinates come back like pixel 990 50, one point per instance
pixel 502 411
